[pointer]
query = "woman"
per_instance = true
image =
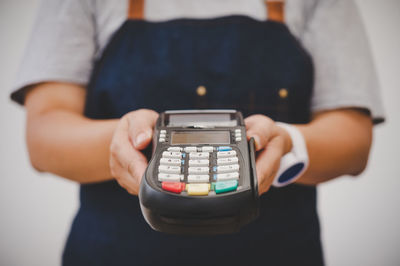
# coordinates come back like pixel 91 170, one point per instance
pixel 90 122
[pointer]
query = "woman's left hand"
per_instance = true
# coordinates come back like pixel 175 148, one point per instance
pixel 272 142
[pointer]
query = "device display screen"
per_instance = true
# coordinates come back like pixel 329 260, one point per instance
pixel 200 137
pixel 185 120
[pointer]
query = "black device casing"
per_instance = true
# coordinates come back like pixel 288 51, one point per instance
pixel 198 215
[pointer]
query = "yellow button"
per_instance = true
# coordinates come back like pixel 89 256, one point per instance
pixel 201 90
pixel 198 189
pixel 283 93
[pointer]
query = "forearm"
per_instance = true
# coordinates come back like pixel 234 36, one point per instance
pixel 338 143
pixel 70 145
pixel 60 139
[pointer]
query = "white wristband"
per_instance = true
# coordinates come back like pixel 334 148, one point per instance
pixel 294 163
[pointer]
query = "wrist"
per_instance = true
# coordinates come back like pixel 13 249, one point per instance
pixel 287 140
pixel 295 162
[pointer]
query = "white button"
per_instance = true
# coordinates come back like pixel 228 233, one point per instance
pixel 162 135
pixel 227 161
pixel 169 177
pixel 238 131
pixel 203 162
pixel 199 155
pixel 207 149
pixel 198 170
pixel 226 154
pixel 238 135
pixel 169 169
pixel 198 179
pixel 227 176
pixel 163 131
pixel 226 168
pixel 161 139
pixel 168 161
pixel 238 139
pixel 190 149
pixel 171 154
pixel 175 149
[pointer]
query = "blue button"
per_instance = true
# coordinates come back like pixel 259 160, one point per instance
pixel 224 148
pixel 215 169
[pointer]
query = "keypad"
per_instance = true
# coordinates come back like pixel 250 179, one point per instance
pixel 199 170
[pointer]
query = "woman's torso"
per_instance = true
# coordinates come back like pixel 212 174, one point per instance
pixel 244 64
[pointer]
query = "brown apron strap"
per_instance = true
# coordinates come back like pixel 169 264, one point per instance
pixel 276 10
pixel 136 9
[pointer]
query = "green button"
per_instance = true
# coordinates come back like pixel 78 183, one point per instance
pixel 226 186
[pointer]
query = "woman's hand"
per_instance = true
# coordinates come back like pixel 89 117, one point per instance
pixel 272 142
pixel 133 133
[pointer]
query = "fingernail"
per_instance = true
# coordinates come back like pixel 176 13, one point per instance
pixel 140 139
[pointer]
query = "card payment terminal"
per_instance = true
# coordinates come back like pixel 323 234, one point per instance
pixel 201 178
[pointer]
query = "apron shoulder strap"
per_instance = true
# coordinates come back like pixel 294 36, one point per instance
pixel 276 10
pixel 136 9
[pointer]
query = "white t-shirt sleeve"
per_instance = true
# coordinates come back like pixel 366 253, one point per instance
pixel 61 48
pixel 344 71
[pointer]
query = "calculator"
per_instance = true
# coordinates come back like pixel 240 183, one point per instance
pixel 201 178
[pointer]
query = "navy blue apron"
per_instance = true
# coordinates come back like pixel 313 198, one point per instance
pixel 245 64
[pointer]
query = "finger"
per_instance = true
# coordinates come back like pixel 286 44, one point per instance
pixel 261 128
pixel 126 181
pixel 138 166
pixel 141 124
pixel 123 151
pixel 122 176
pixel 133 162
pixel 128 158
pixel 126 163
pixel 130 177
pixel 267 163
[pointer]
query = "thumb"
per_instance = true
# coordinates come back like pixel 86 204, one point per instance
pixel 142 139
pixel 257 140
pixel 141 126
pixel 261 128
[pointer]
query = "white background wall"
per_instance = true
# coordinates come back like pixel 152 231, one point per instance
pixel 360 217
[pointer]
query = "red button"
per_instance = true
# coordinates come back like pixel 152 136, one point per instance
pixel 175 187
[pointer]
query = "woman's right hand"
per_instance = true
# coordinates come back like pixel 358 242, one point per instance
pixel 133 134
